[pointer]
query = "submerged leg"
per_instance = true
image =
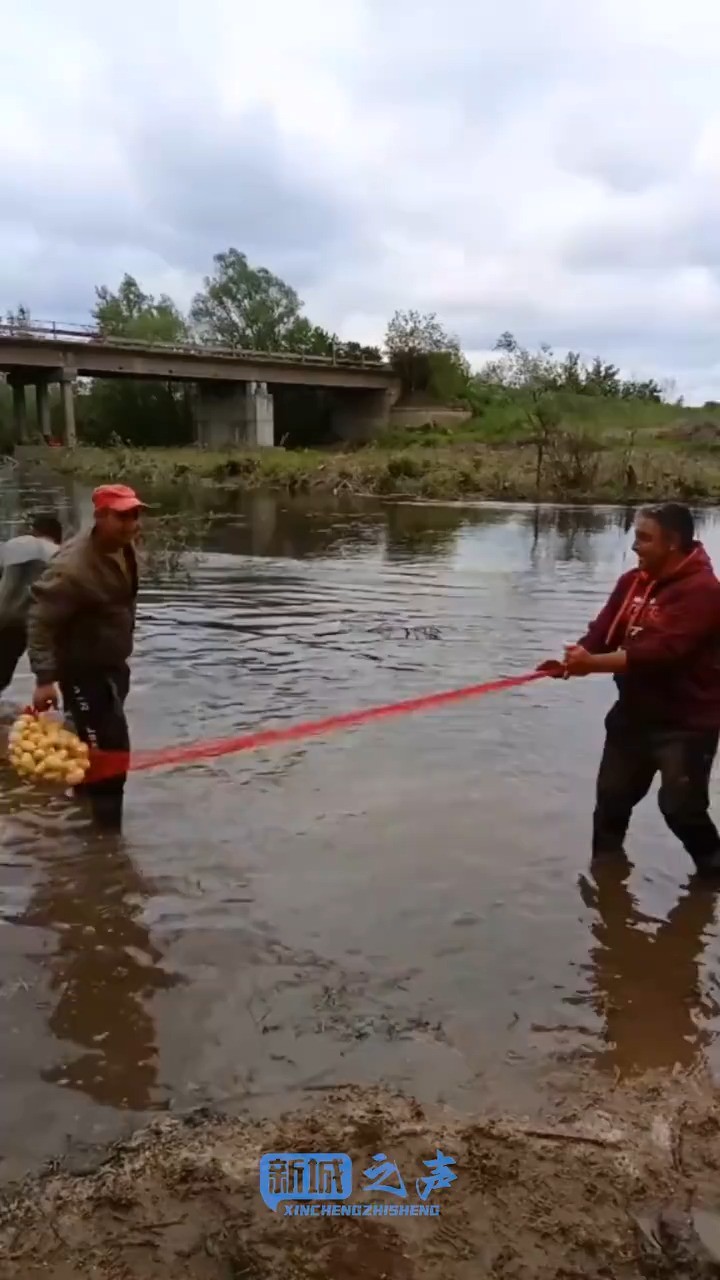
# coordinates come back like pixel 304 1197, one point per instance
pixel 624 779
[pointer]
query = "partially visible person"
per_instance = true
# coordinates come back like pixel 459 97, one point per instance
pixel 81 628
pixel 659 636
pixel 22 560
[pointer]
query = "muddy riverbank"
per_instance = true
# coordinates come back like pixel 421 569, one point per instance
pixel 595 1188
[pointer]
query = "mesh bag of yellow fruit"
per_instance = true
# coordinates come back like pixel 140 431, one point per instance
pixel 41 749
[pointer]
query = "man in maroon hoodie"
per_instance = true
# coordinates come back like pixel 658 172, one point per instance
pixel 659 636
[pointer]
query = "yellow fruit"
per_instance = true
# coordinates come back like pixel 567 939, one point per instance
pixel 74 777
pixel 27 761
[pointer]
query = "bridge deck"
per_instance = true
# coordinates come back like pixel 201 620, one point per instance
pixel 48 350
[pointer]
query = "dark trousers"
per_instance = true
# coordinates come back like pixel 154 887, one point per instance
pixel 13 642
pixel 631 758
pixel 96 704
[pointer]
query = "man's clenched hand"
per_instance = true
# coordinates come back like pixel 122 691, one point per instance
pixel 45 696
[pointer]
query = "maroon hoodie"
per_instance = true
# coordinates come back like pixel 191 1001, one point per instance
pixel 669 628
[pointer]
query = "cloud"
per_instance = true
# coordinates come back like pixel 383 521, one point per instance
pixel 538 166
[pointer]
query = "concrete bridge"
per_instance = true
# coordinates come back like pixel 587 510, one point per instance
pixel 234 403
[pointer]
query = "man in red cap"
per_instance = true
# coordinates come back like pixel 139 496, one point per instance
pixel 81 626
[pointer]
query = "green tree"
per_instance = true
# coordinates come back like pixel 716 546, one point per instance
pixel 572 372
pixel 642 390
pixel 519 369
pixel 311 339
pixel 359 351
pixel 545 388
pixel 602 379
pixel 425 357
pixel 245 306
pixel 132 313
pixel 535 378
pixel 140 412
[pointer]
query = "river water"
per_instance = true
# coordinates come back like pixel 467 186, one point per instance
pixel 407 902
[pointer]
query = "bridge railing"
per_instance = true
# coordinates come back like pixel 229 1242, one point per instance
pixel 57 331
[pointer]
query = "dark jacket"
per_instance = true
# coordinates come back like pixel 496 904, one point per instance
pixel 82 616
pixel 670 631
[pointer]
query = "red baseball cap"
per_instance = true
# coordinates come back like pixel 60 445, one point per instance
pixel 116 497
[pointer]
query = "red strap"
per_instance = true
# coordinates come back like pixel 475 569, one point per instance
pixel 107 764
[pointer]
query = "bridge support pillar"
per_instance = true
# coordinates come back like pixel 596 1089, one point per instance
pixel 232 414
pixel 260 418
pixel 68 398
pixel 360 415
pixel 20 431
pixel 42 405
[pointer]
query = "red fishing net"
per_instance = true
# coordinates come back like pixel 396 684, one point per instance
pixel 105 764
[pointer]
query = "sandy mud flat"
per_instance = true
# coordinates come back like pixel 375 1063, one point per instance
pixel 622 1184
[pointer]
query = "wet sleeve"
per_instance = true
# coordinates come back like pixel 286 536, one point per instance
pixel 684 628
pixel 594 638
pixel 54 598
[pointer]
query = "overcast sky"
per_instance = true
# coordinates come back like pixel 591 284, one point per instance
pixel 546 166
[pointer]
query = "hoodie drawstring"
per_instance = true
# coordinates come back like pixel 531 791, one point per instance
pixel 629 612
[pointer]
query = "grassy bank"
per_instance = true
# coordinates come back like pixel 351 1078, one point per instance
pixel 622 452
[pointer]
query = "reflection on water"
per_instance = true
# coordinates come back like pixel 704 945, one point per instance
pixel 102 974
pixel 398 902
pixel 645 975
